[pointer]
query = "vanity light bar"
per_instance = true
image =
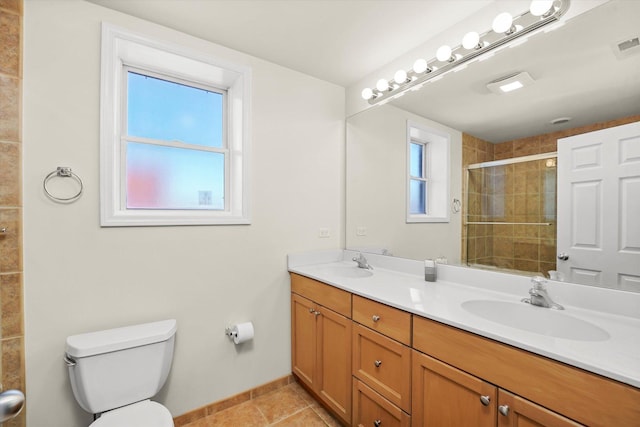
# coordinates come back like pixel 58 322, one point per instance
pixel 504 30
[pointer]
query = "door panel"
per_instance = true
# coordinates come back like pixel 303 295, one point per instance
pixel 445 396
pixel 599 207
pixel 303 338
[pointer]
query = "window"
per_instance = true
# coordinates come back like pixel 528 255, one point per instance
pixel 174 135
pixel 427 174
pixel 417 177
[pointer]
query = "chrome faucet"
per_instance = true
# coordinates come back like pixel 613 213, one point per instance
pixel 362 261
pixel 539 295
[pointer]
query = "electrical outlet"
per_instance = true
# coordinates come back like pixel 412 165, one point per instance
pixel 324 232
pixel 361 231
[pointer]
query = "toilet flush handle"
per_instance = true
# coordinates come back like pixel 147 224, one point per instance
pixel 69 361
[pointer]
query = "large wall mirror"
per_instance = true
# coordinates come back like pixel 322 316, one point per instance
pixel 504 157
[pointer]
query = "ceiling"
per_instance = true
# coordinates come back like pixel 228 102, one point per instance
pixel 339 41
pixel 575 69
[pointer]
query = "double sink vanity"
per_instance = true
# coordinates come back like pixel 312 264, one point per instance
pixel 382 347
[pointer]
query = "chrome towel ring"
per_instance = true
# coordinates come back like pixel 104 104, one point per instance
pixel 63 172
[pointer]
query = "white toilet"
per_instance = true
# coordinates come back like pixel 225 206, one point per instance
pixel 115 372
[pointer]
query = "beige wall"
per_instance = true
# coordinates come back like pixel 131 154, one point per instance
pixel 12 373
pixel 80 277
pixel 376 187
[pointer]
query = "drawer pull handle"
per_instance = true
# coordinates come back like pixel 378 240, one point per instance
pixel 377 423
pixel 317 313
pixel 504 410
pixel 375 318
pixel 485 400
pixel 311 310
pixel 377 363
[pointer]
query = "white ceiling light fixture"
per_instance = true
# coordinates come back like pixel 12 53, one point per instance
pixel 506 29
pixel 540 7
pixel 503 23
pixel 510 83
pixel 471 41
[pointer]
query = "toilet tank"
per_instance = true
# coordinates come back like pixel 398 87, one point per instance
pixel 116 367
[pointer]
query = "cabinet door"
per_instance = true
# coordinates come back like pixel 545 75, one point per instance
pixel 334 361
pixel 303 339
pixel 515 411
pixel 372 410
pixel 445 396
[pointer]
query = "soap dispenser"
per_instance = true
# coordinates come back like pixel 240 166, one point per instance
pixel 430 270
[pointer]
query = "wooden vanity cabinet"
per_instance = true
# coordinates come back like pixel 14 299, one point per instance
pixel 435 375
pixel 321 342
pixel 446 396
pixel 534 382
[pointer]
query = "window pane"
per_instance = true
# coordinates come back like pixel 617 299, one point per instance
pixel 417 156
pixel 417 194
pixel 168 111
pixel 161 177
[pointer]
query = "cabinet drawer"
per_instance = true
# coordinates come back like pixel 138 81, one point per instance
pixel 382 318
pixel 371 409
pixel 383 364
pixel 583 396
pixel 326 295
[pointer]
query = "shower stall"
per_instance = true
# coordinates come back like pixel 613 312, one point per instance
pixel 510 214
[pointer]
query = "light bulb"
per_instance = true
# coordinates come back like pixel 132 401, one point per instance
pixel 420 66
pixel 540 7
pixel 367 94
pixel 444 53
pixel 382 85
pixel 400 77
pixel 502 23
pixel 471 40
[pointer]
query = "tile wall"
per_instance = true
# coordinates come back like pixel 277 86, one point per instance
pixel 12 374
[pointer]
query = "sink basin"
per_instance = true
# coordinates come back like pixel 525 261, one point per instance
pixel 539 320
pixel 346 271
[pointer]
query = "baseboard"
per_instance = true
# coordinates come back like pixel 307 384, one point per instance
pixel 212 408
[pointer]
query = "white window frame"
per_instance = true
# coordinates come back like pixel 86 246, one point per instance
pixel 437 157
pixel 123 50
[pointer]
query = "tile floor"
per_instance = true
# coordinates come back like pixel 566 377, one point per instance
pixel 288 406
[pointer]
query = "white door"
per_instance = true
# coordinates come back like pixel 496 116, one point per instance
pixel 599 207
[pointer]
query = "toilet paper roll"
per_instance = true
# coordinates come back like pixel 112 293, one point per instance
pixel 242 332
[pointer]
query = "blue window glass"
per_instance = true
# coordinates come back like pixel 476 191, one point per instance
pixel 418 193
pixel 161 177
pixel 163 110
pixel 416 160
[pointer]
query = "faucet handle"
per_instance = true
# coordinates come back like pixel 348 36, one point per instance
pixel 539 283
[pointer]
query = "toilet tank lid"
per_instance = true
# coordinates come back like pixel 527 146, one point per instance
pixel 99 342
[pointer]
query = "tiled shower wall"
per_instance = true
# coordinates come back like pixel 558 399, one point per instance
pixel 12 373
pixel 518 247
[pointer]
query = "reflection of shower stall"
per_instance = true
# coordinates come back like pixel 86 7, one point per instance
pixel 510 214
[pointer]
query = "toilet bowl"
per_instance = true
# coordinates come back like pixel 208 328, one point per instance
pixel 141 414
pixel 114 373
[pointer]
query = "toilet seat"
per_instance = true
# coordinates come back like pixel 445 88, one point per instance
pixel 141 414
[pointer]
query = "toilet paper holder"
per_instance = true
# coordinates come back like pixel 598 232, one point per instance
pixel 239 332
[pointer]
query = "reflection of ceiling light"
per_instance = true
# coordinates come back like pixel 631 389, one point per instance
pixel 507 29
pixel 540 7
pixel 503 23
pixel 510 83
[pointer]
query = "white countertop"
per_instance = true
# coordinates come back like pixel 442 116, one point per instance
pixel 400 283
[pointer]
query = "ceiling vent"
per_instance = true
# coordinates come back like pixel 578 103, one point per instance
pixel 627 47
